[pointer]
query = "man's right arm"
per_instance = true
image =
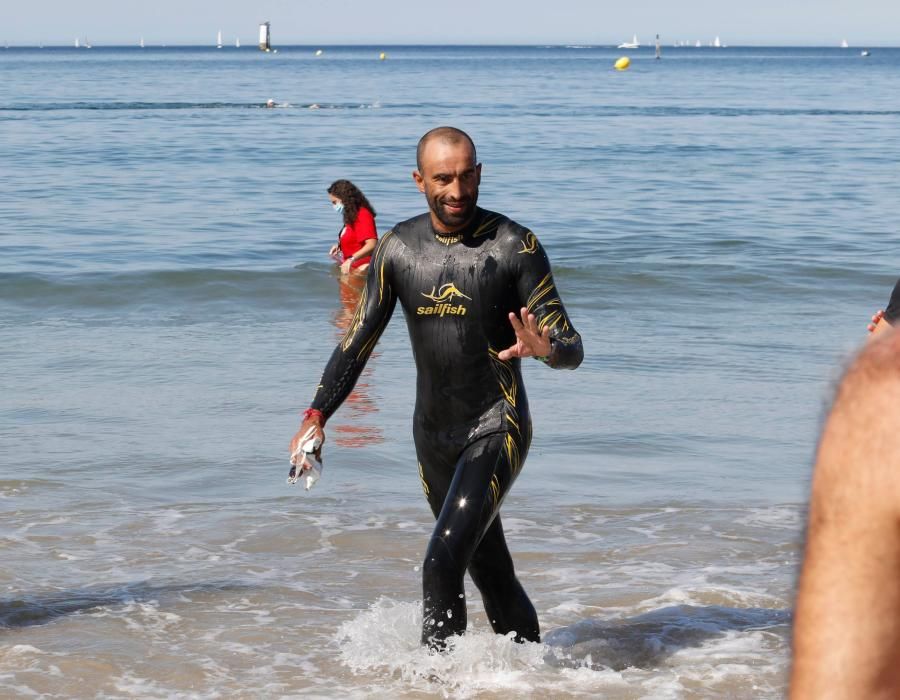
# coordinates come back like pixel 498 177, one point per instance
pixel 376 304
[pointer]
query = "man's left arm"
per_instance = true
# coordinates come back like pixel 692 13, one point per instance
pixel 846 641
pixel 540 299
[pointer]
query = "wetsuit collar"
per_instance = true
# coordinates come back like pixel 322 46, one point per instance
pixel 461 234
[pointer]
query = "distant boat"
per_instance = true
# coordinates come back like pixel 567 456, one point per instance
pixel 633 44
pixel 265 39
pixel 698 44
pixel 717 43
pixel 142 42
pixel 237 43
pixel 864 53
pixel 219 40
pixel 658 48
pixel 87 44
pixel 844 44
pixel 77 43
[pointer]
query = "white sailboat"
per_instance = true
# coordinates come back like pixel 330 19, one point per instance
pixel 698 44
pixel 844 44
pixel 237 43
pixel 716 43
pixel 219 40
pixel 142 42
pixel 77 43
pixel 633 44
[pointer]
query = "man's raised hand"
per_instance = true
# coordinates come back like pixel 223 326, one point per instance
pixel 530 340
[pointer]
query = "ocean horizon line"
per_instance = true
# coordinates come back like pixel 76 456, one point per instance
pixel 579 45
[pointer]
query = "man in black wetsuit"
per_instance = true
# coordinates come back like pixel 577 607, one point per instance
pixel 478 295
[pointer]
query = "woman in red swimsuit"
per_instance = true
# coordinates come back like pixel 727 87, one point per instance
pixel 357 238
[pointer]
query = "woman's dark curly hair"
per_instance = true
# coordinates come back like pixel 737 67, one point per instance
pixel 352 199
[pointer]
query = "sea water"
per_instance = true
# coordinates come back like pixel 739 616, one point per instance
pixel 722 222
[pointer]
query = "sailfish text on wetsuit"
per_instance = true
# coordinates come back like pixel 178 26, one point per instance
pixel 443 302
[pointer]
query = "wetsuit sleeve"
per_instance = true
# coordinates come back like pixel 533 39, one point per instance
pixel 376 304
pixel 537 292
pixel 892 312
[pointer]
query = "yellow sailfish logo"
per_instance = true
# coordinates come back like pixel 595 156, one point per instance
pixel 445 294
pixel 443 301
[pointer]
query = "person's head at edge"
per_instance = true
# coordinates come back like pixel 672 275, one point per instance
pixel 448 174
pixel 346 193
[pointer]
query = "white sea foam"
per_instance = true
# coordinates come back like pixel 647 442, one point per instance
pixel 666 653
pixel 164 519
pixel 788 517
pixel 134 686
pixel 406 525
pixel 21 649
pixel 718 586
pixel 477 661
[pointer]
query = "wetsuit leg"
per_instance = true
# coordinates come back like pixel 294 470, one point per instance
pixel 507 605
pixel 465 509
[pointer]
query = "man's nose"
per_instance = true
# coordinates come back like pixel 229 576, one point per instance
pixel 455 190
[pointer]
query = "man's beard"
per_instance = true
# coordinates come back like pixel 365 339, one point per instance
pixel 454 221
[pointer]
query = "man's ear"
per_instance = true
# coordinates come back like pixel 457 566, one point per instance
pixel 419 180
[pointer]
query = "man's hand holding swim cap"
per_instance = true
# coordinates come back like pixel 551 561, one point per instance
pixel 530 340
pixel 311 419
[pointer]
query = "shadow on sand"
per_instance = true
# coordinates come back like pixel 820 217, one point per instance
pixel 44 608
pixel 645 641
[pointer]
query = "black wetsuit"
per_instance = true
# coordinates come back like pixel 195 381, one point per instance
pixel 472 426
pixel 892 312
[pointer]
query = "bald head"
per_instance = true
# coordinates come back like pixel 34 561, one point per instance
pixel 448 175
pixel 447 134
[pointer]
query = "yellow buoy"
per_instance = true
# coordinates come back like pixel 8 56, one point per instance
pixel 623 63
pixel 382 55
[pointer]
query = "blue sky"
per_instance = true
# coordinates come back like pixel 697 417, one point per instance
pixel 801 22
